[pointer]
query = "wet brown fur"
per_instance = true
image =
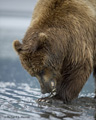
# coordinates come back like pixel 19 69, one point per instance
pixel 61 38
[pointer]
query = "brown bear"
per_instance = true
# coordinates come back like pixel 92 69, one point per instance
pixel 59 47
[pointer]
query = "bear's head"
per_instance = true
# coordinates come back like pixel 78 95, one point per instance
pixel 36 57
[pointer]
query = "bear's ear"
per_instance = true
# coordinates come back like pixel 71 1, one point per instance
pixel 17 46
pixel 36 45
pixel 42 41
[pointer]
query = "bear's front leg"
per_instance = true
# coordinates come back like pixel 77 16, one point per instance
pixel 94 73
pixel 95 89
pixel 73 81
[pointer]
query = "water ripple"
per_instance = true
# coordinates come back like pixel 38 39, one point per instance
pixel 18 101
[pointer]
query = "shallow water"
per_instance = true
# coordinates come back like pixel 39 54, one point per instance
pixel 18 101
pixel 19 91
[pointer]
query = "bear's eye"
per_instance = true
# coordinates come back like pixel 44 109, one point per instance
pixel 39 48
pixel 41 73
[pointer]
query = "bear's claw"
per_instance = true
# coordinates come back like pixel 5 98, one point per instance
pixel 49 98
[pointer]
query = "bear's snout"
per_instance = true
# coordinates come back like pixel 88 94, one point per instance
pixel 47 81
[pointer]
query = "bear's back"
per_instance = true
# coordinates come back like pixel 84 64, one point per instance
pixel 56 12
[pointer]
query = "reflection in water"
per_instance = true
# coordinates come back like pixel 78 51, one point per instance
pixel 19 100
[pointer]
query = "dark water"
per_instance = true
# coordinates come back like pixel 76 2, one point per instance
pixel 19 91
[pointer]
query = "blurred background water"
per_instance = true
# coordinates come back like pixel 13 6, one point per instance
pixel 18 90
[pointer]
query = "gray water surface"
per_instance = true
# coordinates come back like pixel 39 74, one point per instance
pixel 19 91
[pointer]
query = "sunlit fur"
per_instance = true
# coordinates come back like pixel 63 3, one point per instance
pixel 61 39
